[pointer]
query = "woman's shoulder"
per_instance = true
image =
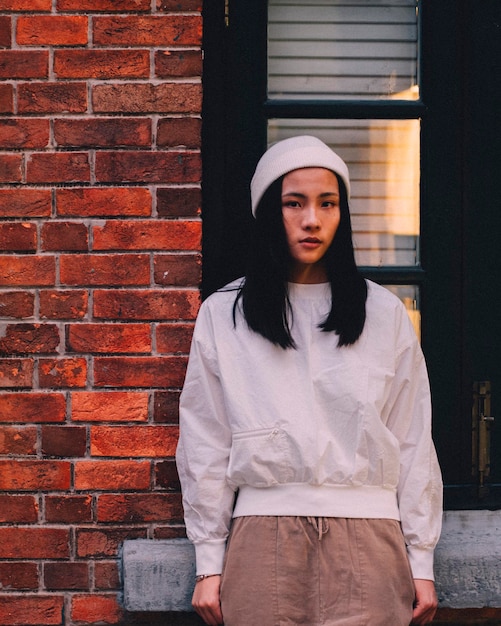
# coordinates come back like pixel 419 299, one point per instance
pixel 383 306
pixel 381 297
pixel 387 315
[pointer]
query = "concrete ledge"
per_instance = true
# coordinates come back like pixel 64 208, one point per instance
pixel 159 575
pixel 468 560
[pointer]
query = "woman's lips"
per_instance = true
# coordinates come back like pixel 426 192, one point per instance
pixel 310 242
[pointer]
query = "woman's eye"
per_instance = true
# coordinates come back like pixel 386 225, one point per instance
pixel 293 204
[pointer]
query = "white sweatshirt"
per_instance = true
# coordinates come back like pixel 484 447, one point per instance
pixel 313 431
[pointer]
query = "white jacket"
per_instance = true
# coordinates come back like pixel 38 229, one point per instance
pixel 315 431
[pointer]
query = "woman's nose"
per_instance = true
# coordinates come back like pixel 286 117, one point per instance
pixel 310 217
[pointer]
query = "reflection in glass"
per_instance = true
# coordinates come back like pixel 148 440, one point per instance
pixel 383 159
pixel 349 49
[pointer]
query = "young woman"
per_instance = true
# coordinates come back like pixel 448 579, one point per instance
pixel 305 424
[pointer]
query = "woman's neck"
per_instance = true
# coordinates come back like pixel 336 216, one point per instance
pixel 308 274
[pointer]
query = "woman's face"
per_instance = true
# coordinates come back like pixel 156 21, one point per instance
pixel 311 215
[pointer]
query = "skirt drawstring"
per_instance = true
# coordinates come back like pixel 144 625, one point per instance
pixel 320 524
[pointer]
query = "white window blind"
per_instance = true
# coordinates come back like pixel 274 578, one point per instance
pixel 343 49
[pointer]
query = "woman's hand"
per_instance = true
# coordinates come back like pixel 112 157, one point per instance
pixel 206 600
pixel 425 604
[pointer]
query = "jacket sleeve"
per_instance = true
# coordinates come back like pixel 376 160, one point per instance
pixel 203 452
pixel 420 483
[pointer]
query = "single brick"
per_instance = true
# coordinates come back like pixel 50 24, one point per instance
pixel 134 441
pixel 71 576
pixel 6 99
pixel 23 64
pixel 178 270
pixel 10 168
pixel 106 575
pixel 169 532
pixel 146 305
pixel 148 167
pixel 178 63
pixel 17 304
pixel 53 30
pixel 16 373
pixel 114 132
pixel 64 441
pixel 63 304
pixel 25 203
pixel 27 271
pixel 179 5
pixel 34 543
pixel 52 97
pixel 17 441
pixel 145 371
pixel 109 406
pixel 174 338
pixel 19 576
pixel 166 407
pixel 18 509
pixel 147 98
pixel 58 167
pixel 27 5
pixel 68 509
pixel 43 610
pixel 32 407
pixel 97 270
pixel 112 338
pixel 104 542
pixel 28 475
pixel 17 237
pixel 24 133
pixel 179 202
pixel 64 236
pixel 5 30
pixel 112 475
pixel 62 372
pixel 166 476
pixel 148 30
pixel 102 64
pixel 151 235
pixel 96 609
pixel 107 6
pixel 179 132
pixel 95 202
pixel 137 508
pixel 29 338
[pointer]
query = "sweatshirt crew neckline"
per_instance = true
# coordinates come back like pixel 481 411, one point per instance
pixel 310 291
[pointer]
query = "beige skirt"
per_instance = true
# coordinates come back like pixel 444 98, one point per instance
pixel 281 571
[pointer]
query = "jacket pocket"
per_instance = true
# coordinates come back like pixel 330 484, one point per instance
pixel 260 458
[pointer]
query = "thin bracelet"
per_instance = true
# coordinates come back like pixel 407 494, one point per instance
pixel 204 576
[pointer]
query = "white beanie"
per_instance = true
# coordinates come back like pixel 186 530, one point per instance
pixel 292 154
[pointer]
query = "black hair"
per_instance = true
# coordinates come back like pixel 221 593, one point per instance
pixel 264 293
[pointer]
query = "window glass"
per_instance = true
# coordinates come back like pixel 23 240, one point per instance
pixel 383 159
pixel 343 49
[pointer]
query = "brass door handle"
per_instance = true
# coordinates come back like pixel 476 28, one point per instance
pixel 481 434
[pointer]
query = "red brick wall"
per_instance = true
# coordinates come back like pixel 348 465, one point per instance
pixel 99 269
